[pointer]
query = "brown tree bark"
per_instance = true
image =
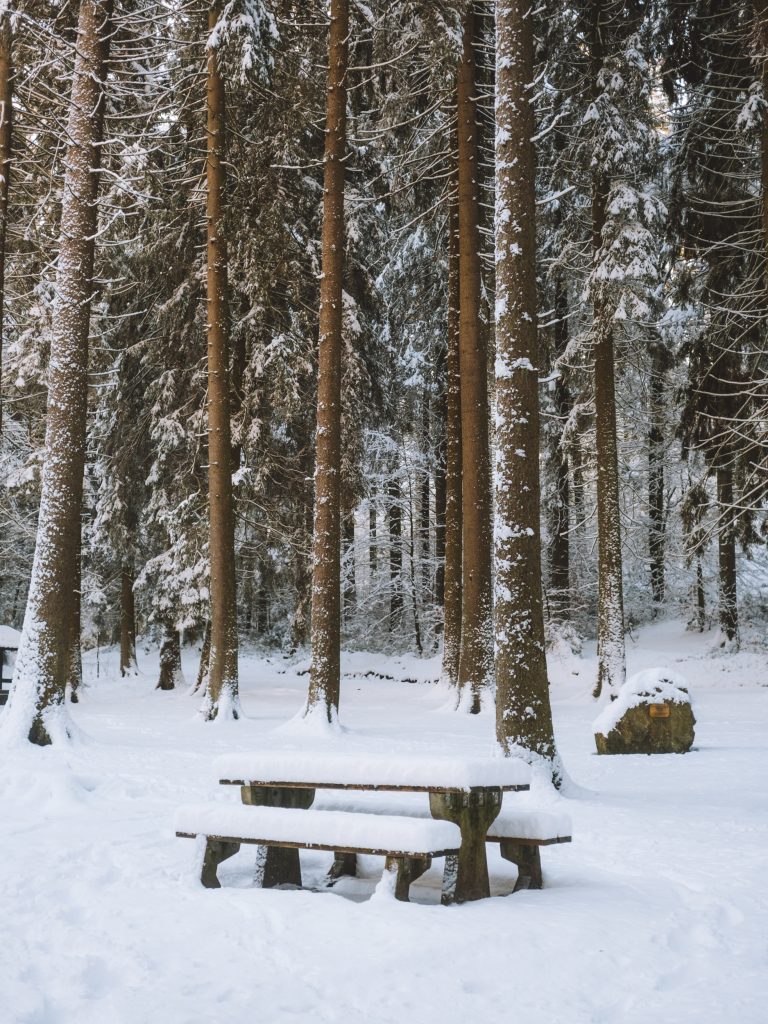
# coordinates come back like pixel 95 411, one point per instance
pixel 656 473
pixel 75 673
pixel 726 544
pixel 476 654
pixel 424 503
pixel 453 461
pixel 37 703
pixel 395 522
pixel 523 712
pixel 348 543
pixel 373 548
pixel 325 679
pixel 127 623
pixel 441 419
pixel 559 562
pixel 222 695
pixel 6 128
pixel 170 659
pixel 610 601
pixel 201 682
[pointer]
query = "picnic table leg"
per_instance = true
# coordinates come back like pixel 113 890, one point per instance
pixel 281 866
pixel 528 860
pixel 474 813
pixel 216 851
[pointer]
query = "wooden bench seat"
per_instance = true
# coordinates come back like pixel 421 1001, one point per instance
pixel 408 844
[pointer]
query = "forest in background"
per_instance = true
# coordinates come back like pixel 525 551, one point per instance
pixel 651 162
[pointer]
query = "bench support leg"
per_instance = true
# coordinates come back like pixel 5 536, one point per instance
pixel 280 866
pixel 215 852
pixel 343 864
pixel 408 870
pixel 474 813
pixel 527 857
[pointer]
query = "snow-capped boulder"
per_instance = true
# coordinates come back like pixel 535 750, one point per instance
pixel 651 715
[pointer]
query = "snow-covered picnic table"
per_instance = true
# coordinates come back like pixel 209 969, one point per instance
pixel 465 791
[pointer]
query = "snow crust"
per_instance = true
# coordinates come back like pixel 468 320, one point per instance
pixel 320 828
pixel 373 769
pixel 651 686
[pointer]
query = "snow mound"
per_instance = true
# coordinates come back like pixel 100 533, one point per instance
pixel 651 686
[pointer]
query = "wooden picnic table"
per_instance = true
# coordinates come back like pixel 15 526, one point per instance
pixel 466 791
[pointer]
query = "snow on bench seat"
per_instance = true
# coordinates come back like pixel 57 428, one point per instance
pixel 315 770
pixel 320 830
pixel 523 823
pixel 533 826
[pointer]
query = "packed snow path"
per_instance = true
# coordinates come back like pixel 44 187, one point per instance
pixel 656 911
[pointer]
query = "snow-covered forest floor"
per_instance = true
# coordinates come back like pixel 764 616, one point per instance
pixel 656 911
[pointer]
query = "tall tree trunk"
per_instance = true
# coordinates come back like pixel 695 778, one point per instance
pixel 610 600
pixel 523 712
pixel 441 419
pixel 476 655
pixel 325 678
pixel 222 696
pixel 395 519
pixel 6 127
pixel 726 543
pixel 559 522
pixel 656 474
pixel 201 682
pixel 75 673
pixel 170 659
pixel 36 708
pixel 424 502
pixel 700 596
pixel 127 623
pixel 348 543
pixel 761 35
pixel 453 459
pixel 373 549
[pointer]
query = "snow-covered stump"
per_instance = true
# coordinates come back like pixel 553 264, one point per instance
pixel 651 715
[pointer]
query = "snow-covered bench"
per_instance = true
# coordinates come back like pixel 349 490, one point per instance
pixel 520 832
pixel 408 844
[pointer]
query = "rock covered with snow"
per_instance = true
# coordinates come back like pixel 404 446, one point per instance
pixel 651 715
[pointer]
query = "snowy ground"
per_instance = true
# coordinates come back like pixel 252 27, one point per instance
pixel 657 911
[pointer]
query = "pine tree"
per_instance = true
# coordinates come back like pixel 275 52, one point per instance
pixel 222 695
pixel 523 712
pixel 476 655
pixel 37 704
pixel 325 678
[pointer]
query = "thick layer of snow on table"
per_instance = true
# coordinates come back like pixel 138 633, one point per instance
pixel 651 686
pixel 337 829
pixel 359 769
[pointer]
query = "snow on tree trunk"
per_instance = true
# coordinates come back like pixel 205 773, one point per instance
pixel 476 655
pixel 453 526
pixel 611 672
pixel 36 709
pixel 222 699
pixel 325 678
pixel 6 125
pixel 127 623
pixel 523 712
